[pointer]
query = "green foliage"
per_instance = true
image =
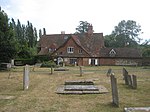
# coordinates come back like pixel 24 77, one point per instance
pixel 41 58
pixel 48 64
pixel 145 47
pixel 7 40
pixel 83 27
pixel 125 34
pixel 22 62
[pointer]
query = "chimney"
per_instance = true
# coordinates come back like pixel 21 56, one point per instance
pixel 62 32
pixel 90 29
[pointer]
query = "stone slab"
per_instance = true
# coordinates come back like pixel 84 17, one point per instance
pixel 80 82
pixel 101 90
pixel 80 88
pixel 137 109
pixel 5 97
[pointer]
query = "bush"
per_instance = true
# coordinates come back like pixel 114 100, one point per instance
pixel 48 64
pixel 41 58
pixel 21 62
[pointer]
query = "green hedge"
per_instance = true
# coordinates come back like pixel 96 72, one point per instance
pixel 22 62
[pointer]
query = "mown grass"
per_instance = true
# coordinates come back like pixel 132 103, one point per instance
pixel 41 95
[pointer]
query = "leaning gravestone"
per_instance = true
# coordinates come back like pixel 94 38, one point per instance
pixel 114 90
pixel 125 75
pixel 26 78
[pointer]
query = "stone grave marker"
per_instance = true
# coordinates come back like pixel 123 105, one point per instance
pixel 81 87
pixel 81 71
pixel 26 78
pixel 125 75
pixel 51 70
pixel 134 84
pixel 114 88
pixel 109 72
pixel 129 80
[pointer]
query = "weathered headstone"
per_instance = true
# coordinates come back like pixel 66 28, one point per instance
pixel 109 72
pixel 134 84
pixel 51 70
pixel 129 80
pixel 125 75
pixel 26 78
pixel 115 97
pixel 81 71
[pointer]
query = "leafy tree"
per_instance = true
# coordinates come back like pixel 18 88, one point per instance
pixel 83 27
pixel 7 41
pixel 125 34
pixel 145 47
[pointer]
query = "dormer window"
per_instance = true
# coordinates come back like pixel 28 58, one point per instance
pixel 70 49
pixel 80 51
pixel 112 53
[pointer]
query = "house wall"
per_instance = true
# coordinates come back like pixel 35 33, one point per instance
pixel 119 61
pixel 70 43
pixel 127 62
pixel 106 61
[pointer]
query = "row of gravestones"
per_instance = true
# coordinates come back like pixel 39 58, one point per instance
pixel 129 80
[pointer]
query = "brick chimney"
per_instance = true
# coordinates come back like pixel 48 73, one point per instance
pixel 90 29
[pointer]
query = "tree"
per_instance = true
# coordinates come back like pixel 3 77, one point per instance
pixel 44 31
pixel 128 31
pixel 7 41
pixel 125 34
pixel 83 27
pixel 40 33
pixel 145 47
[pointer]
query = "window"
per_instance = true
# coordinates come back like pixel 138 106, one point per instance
pixel 73 60
pixel 70 49
pixel 80 51
pixel 112 53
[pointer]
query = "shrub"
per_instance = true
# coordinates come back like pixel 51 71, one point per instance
pixel 48 64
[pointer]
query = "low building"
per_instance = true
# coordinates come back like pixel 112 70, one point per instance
pixel 85 49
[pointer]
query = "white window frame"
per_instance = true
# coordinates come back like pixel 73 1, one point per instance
pixel 70 49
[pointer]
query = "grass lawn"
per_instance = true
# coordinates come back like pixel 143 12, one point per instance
pixel 41 95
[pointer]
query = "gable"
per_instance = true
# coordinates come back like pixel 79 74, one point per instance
pixel 71 48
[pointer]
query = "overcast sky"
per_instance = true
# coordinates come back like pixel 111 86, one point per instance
pixel 64 15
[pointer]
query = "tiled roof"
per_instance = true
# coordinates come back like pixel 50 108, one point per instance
pixel 90 43
pixel 120 52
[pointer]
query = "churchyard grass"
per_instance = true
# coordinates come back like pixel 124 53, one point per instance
pixel 41 95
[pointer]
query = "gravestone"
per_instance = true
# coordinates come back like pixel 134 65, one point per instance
pixel 129 80
pixel 81 71
pixel 125 76
pixel 134 84
pixel 109 72
pixel 81 87
pixel 114 88
pixel 26 78
pixel 51 70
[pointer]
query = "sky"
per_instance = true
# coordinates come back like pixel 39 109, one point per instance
pixel 64 15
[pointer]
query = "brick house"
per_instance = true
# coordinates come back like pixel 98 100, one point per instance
pixel 85 49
